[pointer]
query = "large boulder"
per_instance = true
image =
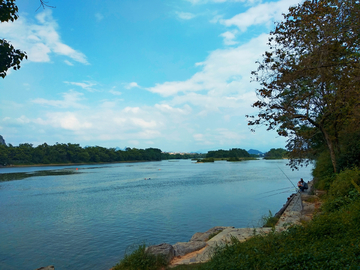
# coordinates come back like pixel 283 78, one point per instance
pixel 183 248
pixel 164 250
pixel 205 236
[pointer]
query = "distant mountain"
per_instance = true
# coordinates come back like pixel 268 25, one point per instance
pixel 255 152
pixel 2 141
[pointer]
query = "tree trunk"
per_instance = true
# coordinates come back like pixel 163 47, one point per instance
pixel 330 146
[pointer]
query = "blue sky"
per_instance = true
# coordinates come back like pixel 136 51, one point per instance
pixel 170 74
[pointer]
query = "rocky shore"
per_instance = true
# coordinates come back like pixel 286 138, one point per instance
pixel 298 208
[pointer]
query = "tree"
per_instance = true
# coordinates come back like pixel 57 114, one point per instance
pixel 276 153
pixel 9 56
pixel 310 78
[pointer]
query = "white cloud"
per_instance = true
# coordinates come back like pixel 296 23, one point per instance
pixel 216 19
pixel 84 85
pixel 23 120
pixel 68 63
pixel 185 15
pixel 133 110
pixel 40 39
pixel 114 92
pixel 131 85
pixel 222 71
pixel 165 108
pixel 64 120
pixel 198 137
pixel 262 14
pixel 110 104
pixel 70 100
pixel 229 37
pixel 143 123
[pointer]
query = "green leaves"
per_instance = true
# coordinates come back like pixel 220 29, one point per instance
pixel 8 11
pixel 9 56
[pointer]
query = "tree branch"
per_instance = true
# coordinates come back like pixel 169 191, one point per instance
pixel 44 4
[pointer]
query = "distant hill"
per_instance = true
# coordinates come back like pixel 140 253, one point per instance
pixel 255 152
pixel 2 141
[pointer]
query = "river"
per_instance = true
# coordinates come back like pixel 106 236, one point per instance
pixel 87 217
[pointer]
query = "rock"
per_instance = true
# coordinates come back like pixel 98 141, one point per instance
pixel 199 236
pixel 165 250
pixel 2 141
pixel 183 248
pixel 50 267
pixel 205 236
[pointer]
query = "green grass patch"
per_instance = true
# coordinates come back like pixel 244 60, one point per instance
pixel 269 220
pixel 139 259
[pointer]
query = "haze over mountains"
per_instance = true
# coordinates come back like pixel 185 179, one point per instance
pixel 254 152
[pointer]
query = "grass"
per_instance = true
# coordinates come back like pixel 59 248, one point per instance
pixel 312 199
pixel 139 259
pixel 269 220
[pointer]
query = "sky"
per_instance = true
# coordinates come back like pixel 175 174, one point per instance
pixel 169 74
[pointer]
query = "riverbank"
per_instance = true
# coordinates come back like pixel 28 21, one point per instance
pixel 300 208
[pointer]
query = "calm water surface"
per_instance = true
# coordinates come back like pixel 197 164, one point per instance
pixel 89 218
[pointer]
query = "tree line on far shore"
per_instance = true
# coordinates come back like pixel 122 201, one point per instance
pixel 276 153
pixel 26 154
pixel 231 153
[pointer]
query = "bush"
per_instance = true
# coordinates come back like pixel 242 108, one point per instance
pixel 139 259
pixel 270 220
pixel 342 192
pixel 323 172
pixel 342 184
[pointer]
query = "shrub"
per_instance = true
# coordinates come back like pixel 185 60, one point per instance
pixel 139 259
pixel 269 220
pixel 323 172
pixel 342 184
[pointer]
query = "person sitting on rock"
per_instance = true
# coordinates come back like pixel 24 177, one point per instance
pixel 302 185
